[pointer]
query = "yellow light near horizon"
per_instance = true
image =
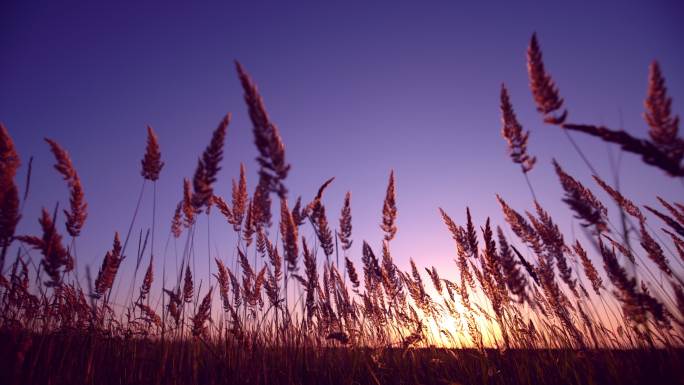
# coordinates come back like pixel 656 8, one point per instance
pixel 452 331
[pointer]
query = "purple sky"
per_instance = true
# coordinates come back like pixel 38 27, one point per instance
pixel 356 89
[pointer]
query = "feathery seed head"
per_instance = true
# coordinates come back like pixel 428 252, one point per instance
pixel 151 162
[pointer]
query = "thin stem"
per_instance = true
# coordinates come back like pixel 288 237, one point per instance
pixel 209 246
pixel 529 185
pixel 154 214
pixel 135 214
pixel 128 234
pixel 580 152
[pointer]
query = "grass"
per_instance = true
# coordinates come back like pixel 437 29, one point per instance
pixel 295 311
pixel 143 361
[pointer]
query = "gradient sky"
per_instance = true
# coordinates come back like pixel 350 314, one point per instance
pixel 356 88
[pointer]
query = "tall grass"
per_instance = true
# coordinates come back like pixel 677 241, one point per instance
pixel 518 311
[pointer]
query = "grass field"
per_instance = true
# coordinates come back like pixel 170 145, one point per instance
pixel 538 309
pixel 81 358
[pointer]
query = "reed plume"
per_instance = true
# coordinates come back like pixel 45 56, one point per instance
pixel 454 229
pixel 9 193
pixel 324 233
pixel 663 127
pixel 345 231
pixel 189 209
pixel 175 301
pixel 151 162
pixel 235 285
pixel 247 270
pixel 389 210
pixel 582 201
pixel 589 269
pixel 56 258
pixel 654 251
pixel 491 266
pixel 261 240
pixel 288 231
pixel 676 223
pixel 224 284
pixel 554 245
pixel 471 235
pixel 78 212
pixel 531 269
pixel 240 198
pixel 110 267
pixel 9 158
pixel 108 270
pixel 299 213
pixel 680 207
pixel 249 226
pixel 543 88
pixel 677 210
pixel 208 167
pixel 434 277
pixel 678 242
pixel 558 301
pixel 513 132
pixel 188 285
pixel 622 249
pixel 150 315
pixel 416 288
pixel 351 272
pixel 650 153
pixel 514 277
pixel 311 279
pixel 275 259
pixel 203 314
pixel 626 204
pixel 391 278
pixel 272 288
pixel 636 305
pixel 272 283
pixel 319 220
pixel 371 268
pixel 678 290
pixel 176 221
pixel 463 247
pixel 521 227
pixel 261 205
pixel 313 207
pixel 223 207
pixel 147 280
pixel 9 216
pixel 274 167
pixel 259 280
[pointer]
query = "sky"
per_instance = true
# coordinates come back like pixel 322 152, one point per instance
pixel 356 88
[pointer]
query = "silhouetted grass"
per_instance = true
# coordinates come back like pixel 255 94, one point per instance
pixel 330 309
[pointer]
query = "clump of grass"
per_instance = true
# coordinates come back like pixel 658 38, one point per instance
pixel 516 311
